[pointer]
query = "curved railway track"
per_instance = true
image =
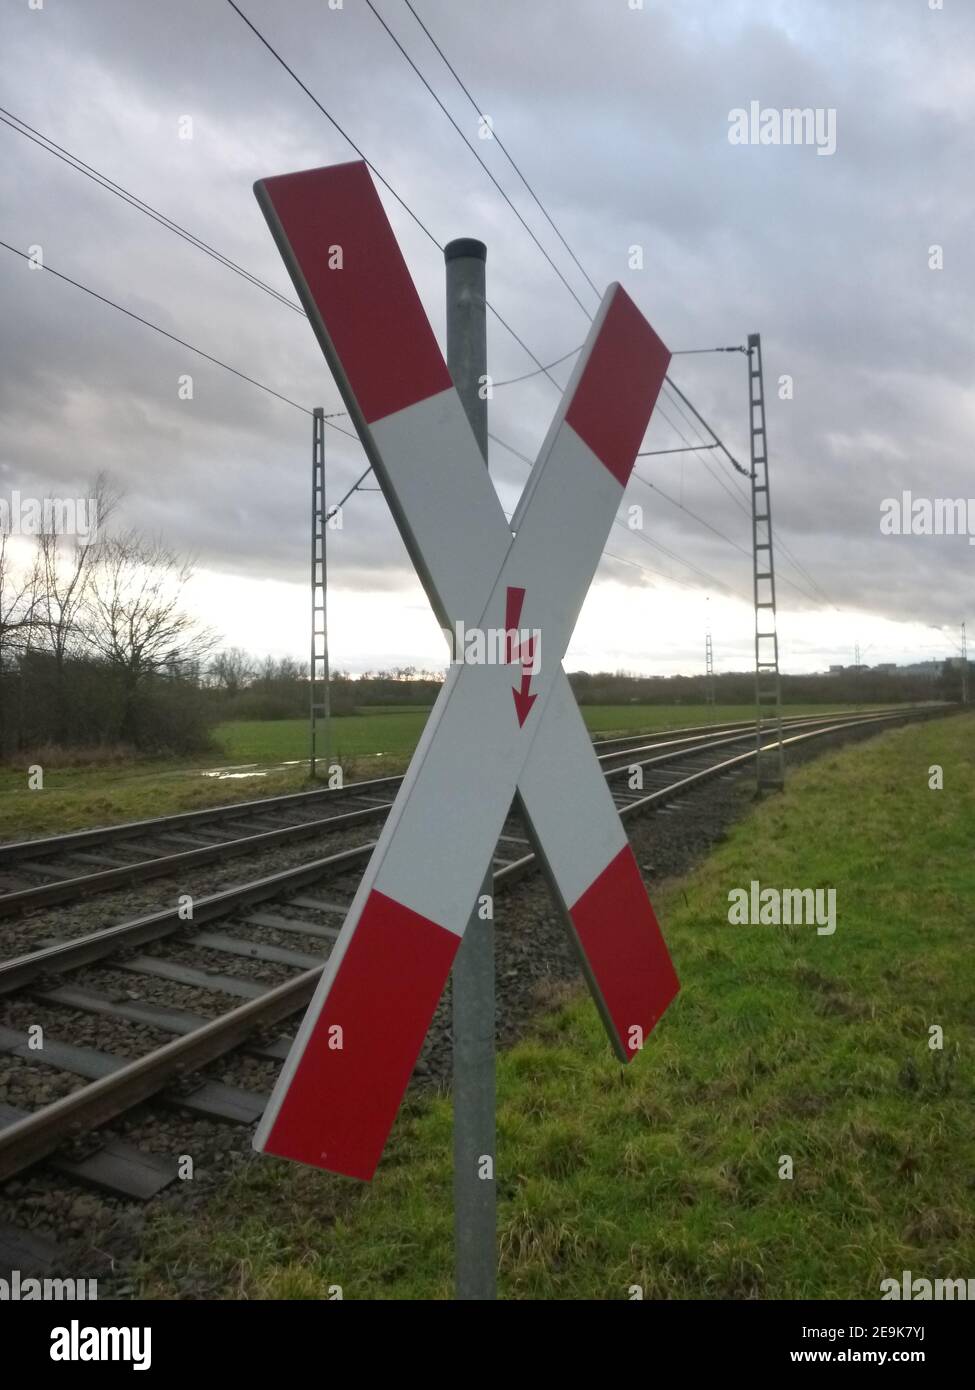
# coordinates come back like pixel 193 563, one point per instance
pixel 254 952
pixel 58 869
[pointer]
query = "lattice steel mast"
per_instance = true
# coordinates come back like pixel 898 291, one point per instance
pixel 769 760
pixel 319 675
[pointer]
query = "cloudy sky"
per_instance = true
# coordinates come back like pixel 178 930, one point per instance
pixel 619 117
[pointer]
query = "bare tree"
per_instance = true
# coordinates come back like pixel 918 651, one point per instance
pixel 19 600
pixel 135 619
pixel 19 605
pixel 67 566
pixel 232 669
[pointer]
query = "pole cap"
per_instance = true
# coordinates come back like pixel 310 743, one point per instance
pixel 465 246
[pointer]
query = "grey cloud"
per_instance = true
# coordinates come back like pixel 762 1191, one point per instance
pixel 621 120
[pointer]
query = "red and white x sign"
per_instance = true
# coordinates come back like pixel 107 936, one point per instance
pixel 486 738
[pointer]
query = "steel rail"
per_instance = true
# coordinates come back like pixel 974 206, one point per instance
pixel 103 880
pixel 83 950
pixel 14 851
pixel 27 1141
pixel 64 890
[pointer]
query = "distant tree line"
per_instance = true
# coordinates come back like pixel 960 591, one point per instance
pixel 249 687
pixel 865 686
pixel 97 650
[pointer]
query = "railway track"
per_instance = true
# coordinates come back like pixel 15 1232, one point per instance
pixel 249 960
pixel 52 870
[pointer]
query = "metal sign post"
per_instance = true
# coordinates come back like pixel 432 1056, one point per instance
pixel 473 976
pixel 499 726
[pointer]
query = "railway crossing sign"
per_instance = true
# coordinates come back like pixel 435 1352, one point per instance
pixel 498 729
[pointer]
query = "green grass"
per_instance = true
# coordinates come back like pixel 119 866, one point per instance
pixel 377 733
pixel 373 744
pixel 77 798
pixel 394 733
pixel 665 1174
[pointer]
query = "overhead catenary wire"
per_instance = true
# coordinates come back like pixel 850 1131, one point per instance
pixel 50 146
pixel 182 342
pixel 253 381
pixel 681 397
pixel 474 152
pixel 526 376
pixel 376 174
pixel 73 161
pixel 639 535
pixel 721 534
pixel 102 180
pixel 479 110
pixel 504 150
pixel 684 352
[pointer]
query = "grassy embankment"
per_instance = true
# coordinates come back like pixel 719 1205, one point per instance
pixel 372 744
pixel 666 1175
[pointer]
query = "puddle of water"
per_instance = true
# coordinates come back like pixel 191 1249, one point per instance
pixel 220 775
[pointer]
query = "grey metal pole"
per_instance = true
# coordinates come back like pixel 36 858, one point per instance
pixel 475 1204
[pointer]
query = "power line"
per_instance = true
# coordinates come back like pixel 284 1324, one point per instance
pixel 73 161
pixel 700 519
pixel 735 493
pixel 209 357
pixel 103 181
pixel 479 110
pixel 639 535
pixel 52 147
pixel 675 390
pixel 721 534
pixel 697 414
pixel 504 150
pixel 474 152
pixel 384 181
pixel 720 444
pixel 130 313
pixel 525 377
pixel 111 186
pixel 737 496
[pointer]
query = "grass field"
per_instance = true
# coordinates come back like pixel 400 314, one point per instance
pixel 394 733
pixel 368 745
pixel 666 1175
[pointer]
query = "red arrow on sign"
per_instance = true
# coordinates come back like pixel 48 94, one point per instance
pixel 523 697
pixel 514 601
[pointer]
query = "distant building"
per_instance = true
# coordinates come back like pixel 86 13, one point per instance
pixel 931 669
